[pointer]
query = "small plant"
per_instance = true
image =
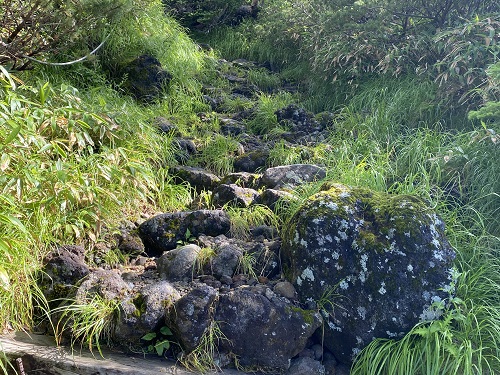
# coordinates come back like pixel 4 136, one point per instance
pixel 218 154
pixel 89 321
pixel 283 153
pixel 204 256
pixel 247 264
pixel 204 357
pixel 158 342
pixel 264 119
pixel 243 219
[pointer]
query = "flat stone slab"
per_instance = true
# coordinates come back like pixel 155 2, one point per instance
pixel 40 354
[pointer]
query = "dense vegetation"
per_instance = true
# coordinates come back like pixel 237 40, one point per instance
pixel 414 88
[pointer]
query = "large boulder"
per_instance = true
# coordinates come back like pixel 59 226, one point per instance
pixel 262 329
pixel 374 262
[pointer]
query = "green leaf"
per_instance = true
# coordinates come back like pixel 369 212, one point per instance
pixel 15 131
pixel 165 331
pixel 149 336
pixel 162 346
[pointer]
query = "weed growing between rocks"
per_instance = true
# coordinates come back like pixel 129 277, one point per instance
pixel 204 357
pixel 89 321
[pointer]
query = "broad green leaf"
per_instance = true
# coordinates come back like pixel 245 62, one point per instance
pixel 166 331
pixel 162 346
pixel 149 336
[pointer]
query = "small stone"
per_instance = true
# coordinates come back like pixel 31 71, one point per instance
pixel 306 366
pixel 285 289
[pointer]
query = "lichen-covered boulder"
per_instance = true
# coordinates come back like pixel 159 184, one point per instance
pixel 380 261
pixel 63 268
pixel 162 232
pixel 262 329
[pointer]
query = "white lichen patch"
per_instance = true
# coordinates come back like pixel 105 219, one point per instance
pixel 326 260
pixel 335 255
pixel 364 260
pixel 390 233
pixel 391 334
pixel 409 268
pixel 361 312
pixel 348 210
pixel 343 235
pixel 343 285
pixel 307 274
pixel 382 289
pixel 303 243
pixel 334 327
pixel 344 195
pixel 329 238
pixel 331 205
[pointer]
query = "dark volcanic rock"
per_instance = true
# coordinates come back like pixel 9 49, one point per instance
pixel 192 314
pixel 243 179
pixel 306 366
pixel 251 161
pixel 64 267
pixel 144 312
pixel 384 257
pixel 233 194
pixel 161 232
pixel 262 329
pixel 197 177
pixel 270 197
pixel 146 79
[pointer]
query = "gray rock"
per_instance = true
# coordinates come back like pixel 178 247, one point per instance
pixel 384 260
pixel 292 175
pixel 263 332
pixel 306 366
pixel 162 232
pixel 144 312
pixel 233 194
pixel 270 197
pixel 285 289
pixel 197 177
pixel 178 264
pixel 105 283
pixel 226 261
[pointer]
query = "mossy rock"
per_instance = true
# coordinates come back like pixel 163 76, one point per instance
pixel 375 262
